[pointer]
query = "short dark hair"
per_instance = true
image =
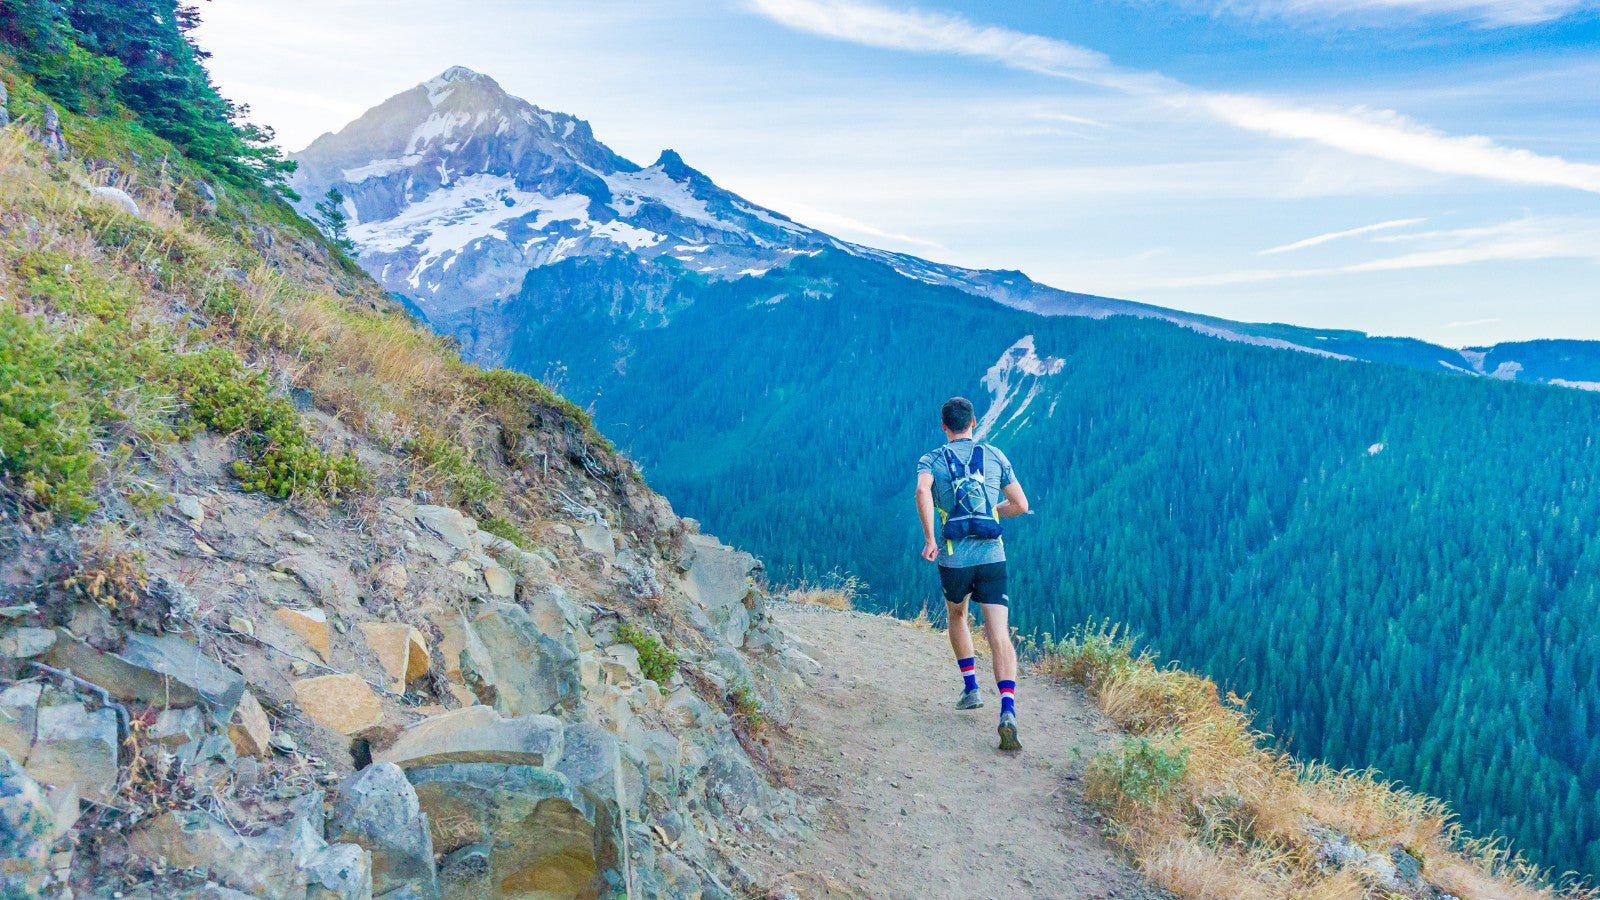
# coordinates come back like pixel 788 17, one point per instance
pixel 957 414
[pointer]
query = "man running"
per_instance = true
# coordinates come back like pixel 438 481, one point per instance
pixel 963 482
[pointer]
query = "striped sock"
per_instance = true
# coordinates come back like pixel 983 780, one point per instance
pixel 1008 696
pixel 969 672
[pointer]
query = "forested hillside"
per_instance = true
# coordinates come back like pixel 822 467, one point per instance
pixel 1399 568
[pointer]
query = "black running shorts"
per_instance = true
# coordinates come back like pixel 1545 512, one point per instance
pixel 986 583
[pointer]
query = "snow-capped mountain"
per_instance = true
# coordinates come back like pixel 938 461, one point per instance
pixel 455 191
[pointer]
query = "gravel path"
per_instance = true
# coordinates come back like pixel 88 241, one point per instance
pixel 915 800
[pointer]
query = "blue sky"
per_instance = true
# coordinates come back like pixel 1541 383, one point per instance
pixel 1418 167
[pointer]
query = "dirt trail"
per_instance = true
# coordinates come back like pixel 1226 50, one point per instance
pixel 915 799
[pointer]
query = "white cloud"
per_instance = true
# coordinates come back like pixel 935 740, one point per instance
pixel 835 223
pixel 1376 134
pixel 1532 238
pixel 1336 235
pixel 1069 119
pixel 1384 134
pixel 1472 323
pixel 926 32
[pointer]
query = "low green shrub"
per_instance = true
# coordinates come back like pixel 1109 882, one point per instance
pixel 502 527
pixel 1138 773
pixel 46 435
pixel 747 706
pixel 657 662
pixel 450 462
pixel 280 458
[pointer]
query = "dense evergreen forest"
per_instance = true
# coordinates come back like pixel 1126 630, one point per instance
pixel 1401 569
pixel 136 59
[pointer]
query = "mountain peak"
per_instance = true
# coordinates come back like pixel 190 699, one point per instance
pixel 458 73
pixel 461 81
pixel 675 168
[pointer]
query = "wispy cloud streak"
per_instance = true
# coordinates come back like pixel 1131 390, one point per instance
pixel 1377 134
pixel 1336 235
pixel 1532 238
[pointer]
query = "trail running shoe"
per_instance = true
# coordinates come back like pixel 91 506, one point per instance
pixel 970 699
pixel 1008 732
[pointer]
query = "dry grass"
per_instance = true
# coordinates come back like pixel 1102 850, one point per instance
pixel 838 590
pixel 1208 810
pixel 271 294
pixel 831 599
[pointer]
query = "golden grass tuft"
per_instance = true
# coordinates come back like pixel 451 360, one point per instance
pixel 1208 809
pixel 838 590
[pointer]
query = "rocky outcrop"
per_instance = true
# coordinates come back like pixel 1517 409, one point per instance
pixel 344 703
pixel 720 586
pixel 289 862
pixel 485 730
pixel 520 669
pixel 378 810
pixel 514 831
pixel 477 734
pixel 51 136
pixel 537 705
pixel 163 671
pixel 482 720
pixel 76 746
pixel 117 197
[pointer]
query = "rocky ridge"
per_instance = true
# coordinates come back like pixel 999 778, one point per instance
pixel 393 691
pixel 330 703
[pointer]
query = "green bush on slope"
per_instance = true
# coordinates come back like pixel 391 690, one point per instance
pixel 89 370
pixel 280 459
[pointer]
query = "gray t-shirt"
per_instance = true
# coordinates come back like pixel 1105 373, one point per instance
pixel 996 475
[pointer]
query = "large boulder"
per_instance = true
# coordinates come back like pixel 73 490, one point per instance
pixel 401 651
pixel 447 524
pixel 550 609
pixel 512 831
pixel 19 718
pixel 74 746
pixel 26 643
pixel 26 832
pixel 291 861
pixel 522 671
pixel 477 734
pixel 329 582
pixel 718 579
pixel 592 762
pixel 161 671
pixel 338 872
pixel 344 703
pixel 377 808
pixel 117 197
pixel 597 538
pixel 261 866
pixel 51 136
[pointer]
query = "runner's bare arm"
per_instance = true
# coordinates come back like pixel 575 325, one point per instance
pixel 930 547
pixel 1015 504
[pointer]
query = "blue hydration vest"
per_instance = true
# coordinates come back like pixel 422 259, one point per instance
pixel 972 514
